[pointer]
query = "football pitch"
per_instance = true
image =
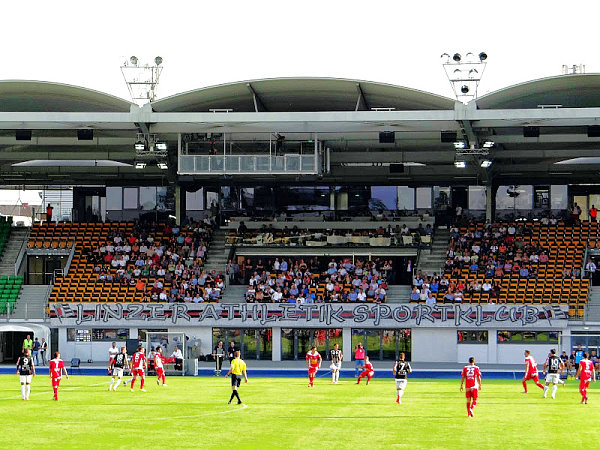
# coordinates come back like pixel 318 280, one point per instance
pixel 285 413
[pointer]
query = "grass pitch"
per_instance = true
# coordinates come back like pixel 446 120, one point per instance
pixel 285 413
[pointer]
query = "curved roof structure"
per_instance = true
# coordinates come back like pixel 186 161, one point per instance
pixel 42 96
pixel 568 91
pixel 302 94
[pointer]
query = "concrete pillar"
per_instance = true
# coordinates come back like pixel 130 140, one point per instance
pixel 489 213
pixel 179 204
pixel 276 345
pixel 347 349
pixel 493 346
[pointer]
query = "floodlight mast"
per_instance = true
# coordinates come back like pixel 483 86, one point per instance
pixel 464 73
pixel 142 79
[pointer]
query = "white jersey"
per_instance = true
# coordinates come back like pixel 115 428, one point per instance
pixel 112 352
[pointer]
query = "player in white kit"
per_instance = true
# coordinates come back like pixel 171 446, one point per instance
pixel 112 352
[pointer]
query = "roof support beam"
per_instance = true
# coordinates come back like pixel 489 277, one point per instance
pixel 361 101
pixel 259 106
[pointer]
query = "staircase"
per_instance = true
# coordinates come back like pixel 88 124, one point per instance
pixel 592 313
pixel 32 302
pixel 234 294
pixel 17 236
pixel 216 255
pixel 398 294
pixel 430 262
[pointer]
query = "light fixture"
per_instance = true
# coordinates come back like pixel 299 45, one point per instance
pixel 486 163
pixel 162 165
pixel 140 165
pixel 464 89
pixel 460 144
pixel 482 56
pixel 460 164
pixel 162 146
pixel 489 144
pixel 133 60
pixel 457 57
pixel 141 146
pixel 158 60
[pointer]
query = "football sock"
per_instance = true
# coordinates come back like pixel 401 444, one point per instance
pixel 27 390
pixel 359 378
pixel 142 383
pixel 545 391
pixel 132 383
pixel 22 391
pixel 369 378
pixel 540 385
pixel 232 396
pixel 468 408
pixel 55 389
pixel 554 389
pixel 116 384
pixel 525 385
pixel 474 404
pixel 400 393
pixel 237 396
pixel 112 381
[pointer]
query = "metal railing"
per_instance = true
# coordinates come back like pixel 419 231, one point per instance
pixel 248 164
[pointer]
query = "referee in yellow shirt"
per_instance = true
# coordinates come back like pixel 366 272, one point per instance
pixel 238 368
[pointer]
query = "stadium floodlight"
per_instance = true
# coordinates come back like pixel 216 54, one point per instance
pixel 133 60
pixel 460 144
pixel 162 146
pixel 445 57
pixel 457 57
pixel 162 166
pixel 486 163
pixel 482 56
pixel 460 164
pixel 140 165
pixel 140 146
pixel 489 144
pixel 464 73
pixel 464 89
pixel 158 60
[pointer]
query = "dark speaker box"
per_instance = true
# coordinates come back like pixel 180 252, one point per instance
pixel 23 135
pixel 448 136
pixel 85 135
pixel 387 137
pixel 531 131
pixel 593 131
pixel 396 168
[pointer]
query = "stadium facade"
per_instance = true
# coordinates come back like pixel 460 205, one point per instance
pixel 315 153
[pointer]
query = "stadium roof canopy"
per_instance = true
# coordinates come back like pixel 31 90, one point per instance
pixel 302 95
pixel 345 116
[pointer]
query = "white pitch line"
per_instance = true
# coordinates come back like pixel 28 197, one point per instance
pixel 50 392
pixel 244 406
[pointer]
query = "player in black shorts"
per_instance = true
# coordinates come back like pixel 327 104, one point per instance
pixel 336 363
pixel 26 371
pixel 401 370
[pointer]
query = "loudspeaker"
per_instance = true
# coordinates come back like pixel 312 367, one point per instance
pixel 448 136
pixel 85 135
pixel 593 131
pixel 396 168
pixel 387 137
pixel 531 131
pixel 23 135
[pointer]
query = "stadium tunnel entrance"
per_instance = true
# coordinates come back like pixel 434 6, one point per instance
pixel 12 336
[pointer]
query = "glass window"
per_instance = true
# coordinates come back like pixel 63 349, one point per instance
pixel 472 336
pixel 287 344
pixel 254 343
pixel 528 337
pixel 101 334
pixel 79 335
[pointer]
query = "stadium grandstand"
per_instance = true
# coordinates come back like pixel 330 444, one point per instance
pixel 278 213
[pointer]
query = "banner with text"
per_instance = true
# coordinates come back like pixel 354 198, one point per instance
pixel 242 315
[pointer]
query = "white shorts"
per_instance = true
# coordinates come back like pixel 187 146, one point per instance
pixel 401 384
pixel 553 378
pixel 117 372
pixel 26 378
pixel 335 366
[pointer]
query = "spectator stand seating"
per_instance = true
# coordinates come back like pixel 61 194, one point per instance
pixel 556 281
pixel 10 287
pixel 83 282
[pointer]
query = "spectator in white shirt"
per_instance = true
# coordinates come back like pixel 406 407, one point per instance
pixel 590 269
pixel 430 300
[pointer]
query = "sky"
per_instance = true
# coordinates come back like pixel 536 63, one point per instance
pixel 204 43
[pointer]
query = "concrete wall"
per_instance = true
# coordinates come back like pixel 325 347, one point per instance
pixel 513 353
pixel 438 345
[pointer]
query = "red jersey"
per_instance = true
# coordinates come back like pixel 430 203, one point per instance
pixel 313 359
pixel 56 367
pixel 138 361
pixel 369 367
pixel 159 360
pixel 531 364
pixel 586 369
pixel 471 374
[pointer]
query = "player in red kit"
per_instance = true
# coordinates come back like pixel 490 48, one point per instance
pixel 313 363
pixel 368 371
pixel 159 368
pixel 56 369
pixel 138 363
pixel 531 372
pixel 585 373
pixel 471 380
